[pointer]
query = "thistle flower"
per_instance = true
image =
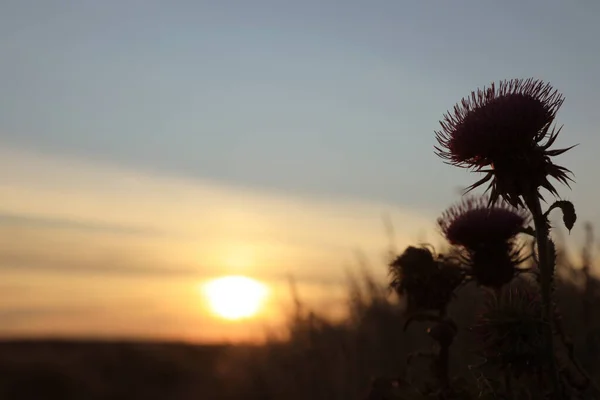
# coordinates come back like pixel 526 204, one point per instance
pixel 510 331
pixel 506 131
pixel 427 281
pixel 487 234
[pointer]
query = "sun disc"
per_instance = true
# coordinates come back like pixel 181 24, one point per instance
pixel 235 297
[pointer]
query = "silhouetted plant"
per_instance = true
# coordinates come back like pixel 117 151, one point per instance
pixel 428 282
pixel 500 130
pixel 505 131
pixel 486 231
pixel 425 280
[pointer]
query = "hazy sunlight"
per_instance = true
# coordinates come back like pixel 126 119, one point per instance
pixel 235 297
pixel 169 233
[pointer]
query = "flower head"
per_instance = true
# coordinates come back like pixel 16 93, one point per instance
pixel 510 330
pixel 486 233
pixel 506 131
pixel 425 280
pixel 473 222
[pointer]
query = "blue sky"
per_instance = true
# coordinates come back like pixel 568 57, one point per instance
pixel 327 98
pixel 310 100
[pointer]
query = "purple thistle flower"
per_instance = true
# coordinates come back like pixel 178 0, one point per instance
pixel 486 232
pixel 506 131
pixel 473 222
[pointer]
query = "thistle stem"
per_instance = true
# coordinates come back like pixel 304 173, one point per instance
pixel 546 273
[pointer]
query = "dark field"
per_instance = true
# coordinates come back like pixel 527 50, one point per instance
pixel 53 369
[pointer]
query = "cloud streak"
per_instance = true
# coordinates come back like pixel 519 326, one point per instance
pixel 15 219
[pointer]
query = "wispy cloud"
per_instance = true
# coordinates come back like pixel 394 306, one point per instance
pixel 14 219
pixel 71 207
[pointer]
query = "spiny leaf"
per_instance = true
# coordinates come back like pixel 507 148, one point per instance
pixel 568 209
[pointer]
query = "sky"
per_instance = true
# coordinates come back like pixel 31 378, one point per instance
pixel 147 146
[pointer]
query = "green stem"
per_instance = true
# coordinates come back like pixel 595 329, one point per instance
pixel 546 274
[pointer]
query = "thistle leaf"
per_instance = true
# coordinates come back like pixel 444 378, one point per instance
pixel 568 210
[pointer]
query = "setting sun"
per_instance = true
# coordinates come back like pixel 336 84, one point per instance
pixel 235 297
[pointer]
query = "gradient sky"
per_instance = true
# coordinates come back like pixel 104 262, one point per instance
pixel 148 145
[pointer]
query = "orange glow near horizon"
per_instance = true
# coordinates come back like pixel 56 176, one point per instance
pixel 102 250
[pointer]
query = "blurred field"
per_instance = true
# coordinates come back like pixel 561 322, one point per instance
pixel 320 360
pixel 108 370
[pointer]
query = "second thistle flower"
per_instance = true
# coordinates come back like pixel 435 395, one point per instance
pixel 487 235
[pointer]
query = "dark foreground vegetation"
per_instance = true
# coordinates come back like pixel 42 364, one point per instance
pixel 56 369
